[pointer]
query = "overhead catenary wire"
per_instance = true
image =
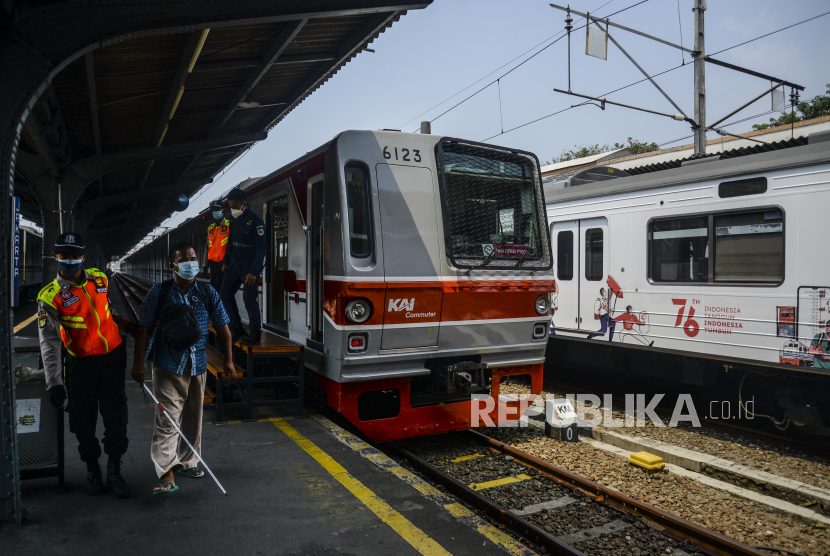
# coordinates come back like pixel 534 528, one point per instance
pixel 680 25
pixel 489 74
pixel 560 36
pixel 658 74
pixel 768 34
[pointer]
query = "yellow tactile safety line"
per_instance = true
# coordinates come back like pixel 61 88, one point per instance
pixel 419 540
pixel 457 510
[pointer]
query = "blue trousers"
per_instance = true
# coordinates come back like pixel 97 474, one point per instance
pixel 231 280
pixel 606 322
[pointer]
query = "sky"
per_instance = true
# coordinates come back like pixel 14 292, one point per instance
pixel 459 45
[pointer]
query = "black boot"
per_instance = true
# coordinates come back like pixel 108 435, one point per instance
pixel 115 482
pixel 252 339
pixel 94 484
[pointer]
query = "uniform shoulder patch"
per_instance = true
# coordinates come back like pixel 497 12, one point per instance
pixel 41 319
pixel 260 231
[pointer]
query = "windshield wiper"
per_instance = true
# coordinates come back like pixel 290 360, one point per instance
pixel 492 255
pixel 526 254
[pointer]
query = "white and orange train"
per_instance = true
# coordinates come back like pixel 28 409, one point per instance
pixel 416 269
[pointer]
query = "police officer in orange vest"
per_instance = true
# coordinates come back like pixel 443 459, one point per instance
pixel 74 312
pixel 217 238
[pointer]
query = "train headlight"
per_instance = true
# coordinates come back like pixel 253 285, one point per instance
pixel 358 311
pixel 542 305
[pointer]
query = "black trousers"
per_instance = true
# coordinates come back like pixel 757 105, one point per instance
pixel 215 274
pixel 231 280
pixel 96 383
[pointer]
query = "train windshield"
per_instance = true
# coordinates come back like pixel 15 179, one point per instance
pixel 493 210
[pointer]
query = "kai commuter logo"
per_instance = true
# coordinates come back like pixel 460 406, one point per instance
pixel 401 304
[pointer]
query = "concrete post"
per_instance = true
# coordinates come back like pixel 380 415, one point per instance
pixel 700 80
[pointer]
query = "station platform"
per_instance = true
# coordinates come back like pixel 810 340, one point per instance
pixel 296 485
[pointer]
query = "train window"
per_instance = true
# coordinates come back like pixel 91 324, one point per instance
pixel 593 254
pixel 492 207
pixel 360 214
pixel 737 188
pixel 679 250
pixel 565 255
pixel 749 247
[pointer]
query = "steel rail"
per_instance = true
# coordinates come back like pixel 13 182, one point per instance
pixel 726 426
pixel 686 529
pixel 516 524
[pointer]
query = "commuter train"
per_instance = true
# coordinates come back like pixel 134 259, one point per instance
pixel 719 261
pixel 416 269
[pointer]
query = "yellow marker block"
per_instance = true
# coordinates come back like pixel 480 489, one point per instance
pixel 647 461
pixel 500 482
pixel 465 458
pixel 419 540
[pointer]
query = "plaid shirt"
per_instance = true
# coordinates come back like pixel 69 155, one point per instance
pixel 169 359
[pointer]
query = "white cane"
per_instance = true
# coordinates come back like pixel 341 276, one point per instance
pixel 178 430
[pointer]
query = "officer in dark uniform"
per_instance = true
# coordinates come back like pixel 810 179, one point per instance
pixel 244 259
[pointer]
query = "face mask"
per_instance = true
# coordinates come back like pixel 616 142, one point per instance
pixel 188 270
pixel 236 213
pixel 70 266
pixel 217 214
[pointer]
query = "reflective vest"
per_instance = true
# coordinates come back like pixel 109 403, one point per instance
pixel 87 327
pixel 218 241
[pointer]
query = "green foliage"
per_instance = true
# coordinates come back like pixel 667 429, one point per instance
pixel 819 106
pixel 636 147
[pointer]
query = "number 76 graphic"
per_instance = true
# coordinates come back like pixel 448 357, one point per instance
pixel 690 327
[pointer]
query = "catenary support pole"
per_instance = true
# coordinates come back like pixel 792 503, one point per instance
pixel 700 80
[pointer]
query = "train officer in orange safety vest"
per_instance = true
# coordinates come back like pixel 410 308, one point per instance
pixel 217 239
pixel 74 312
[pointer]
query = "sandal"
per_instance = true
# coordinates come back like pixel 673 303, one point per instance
pixel 162 490
pixel 192 472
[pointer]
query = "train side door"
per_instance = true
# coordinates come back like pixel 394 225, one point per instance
pixel 277 314
pixel 316 247
pixel 409 233
pixel 565 239
pixel 581 258
pixel 593 270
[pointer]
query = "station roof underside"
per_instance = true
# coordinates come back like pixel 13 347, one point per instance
pixel 140 120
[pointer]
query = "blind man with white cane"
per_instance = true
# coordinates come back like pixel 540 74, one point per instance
pixel 173 328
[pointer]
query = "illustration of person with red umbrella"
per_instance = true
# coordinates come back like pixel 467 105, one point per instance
pixel 605 308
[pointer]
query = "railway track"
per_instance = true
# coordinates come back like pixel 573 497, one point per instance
pixel 554 508
pixel 721 425
pixel 133 291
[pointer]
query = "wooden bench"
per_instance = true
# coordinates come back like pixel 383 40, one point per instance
pixel 216 364
pixel 270 347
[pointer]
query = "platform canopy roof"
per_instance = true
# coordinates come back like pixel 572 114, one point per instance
pixel 140 119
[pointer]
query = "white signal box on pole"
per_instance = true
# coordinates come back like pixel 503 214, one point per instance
pixel 778 103
pixel 561 420
pixel 596 43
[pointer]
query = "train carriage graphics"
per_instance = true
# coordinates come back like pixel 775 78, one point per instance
pixel 719 259
pixel 416 269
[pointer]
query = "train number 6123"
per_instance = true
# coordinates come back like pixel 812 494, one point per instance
pixel 404 154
